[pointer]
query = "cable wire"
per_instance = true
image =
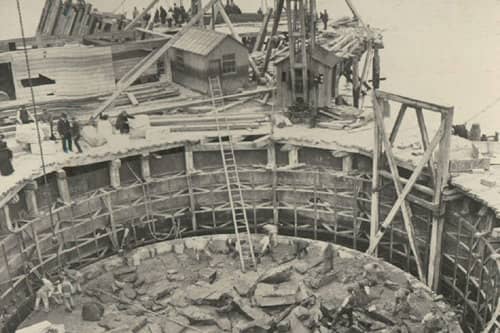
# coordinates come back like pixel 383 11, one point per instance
pixel 486 108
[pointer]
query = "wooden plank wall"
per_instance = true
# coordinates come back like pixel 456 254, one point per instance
pixel 78 71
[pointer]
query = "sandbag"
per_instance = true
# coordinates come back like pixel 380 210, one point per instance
pixel 92 311
pixel 90 135
pixel 27 134
pixel 104 128
pixel 139 126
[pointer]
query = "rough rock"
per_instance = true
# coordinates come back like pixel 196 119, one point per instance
pixel 253 313
pixel 209 275
pixel 179 247
pixel 174 325
pixel 197 315
pixel 252 327
pixel 92 311
pixel 277 275
pixel 124 270
pixel 160 290
pixel 129 292
pixel 154 328
pixel 116 320
pixel 321 280
pixel 267 295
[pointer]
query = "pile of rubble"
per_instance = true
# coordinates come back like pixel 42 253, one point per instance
pixel 299 286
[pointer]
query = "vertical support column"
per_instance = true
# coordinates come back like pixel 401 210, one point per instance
pixel 114 173
pixel 356 87
pixel 62 186
pixel 188 156
pixel 375 216
pixel 271 163
pixel 8 221
pixel 30 197
pixel 347 163
pixel 438 219
pixel 145 167
pixel 293 156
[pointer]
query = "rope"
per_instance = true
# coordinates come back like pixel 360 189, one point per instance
pixel 120 6
pixel 28 68
pixel 486 108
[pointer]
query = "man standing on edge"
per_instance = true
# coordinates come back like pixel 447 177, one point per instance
pixel 64 129
pixel 75 131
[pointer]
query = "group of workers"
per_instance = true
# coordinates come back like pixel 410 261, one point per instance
pixel 61 292
pixel 176 15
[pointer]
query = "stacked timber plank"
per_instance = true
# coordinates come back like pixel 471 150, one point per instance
pixel 349 39
pixel 78 18
pixel 207 122
pixel 139 94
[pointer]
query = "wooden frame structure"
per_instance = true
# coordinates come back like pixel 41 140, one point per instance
pixel 438 169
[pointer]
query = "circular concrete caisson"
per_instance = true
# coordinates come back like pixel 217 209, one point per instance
pixel 164 288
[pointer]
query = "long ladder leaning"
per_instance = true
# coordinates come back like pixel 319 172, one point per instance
pixel 240 220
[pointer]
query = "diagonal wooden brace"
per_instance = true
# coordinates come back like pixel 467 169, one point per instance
pixel 400 203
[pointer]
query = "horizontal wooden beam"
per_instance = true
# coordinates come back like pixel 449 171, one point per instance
pixel 414 103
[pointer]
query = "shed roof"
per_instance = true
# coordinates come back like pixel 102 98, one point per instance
pixel 200 41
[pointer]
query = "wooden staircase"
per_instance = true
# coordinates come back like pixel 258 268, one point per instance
pixel 240 220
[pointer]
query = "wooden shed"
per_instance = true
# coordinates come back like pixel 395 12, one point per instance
pixel 203 53
pixel 322 62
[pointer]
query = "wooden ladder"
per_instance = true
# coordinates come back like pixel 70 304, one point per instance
pixel 240 220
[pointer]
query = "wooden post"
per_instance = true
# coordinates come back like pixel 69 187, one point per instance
pixel 145 167
pixel 30 197
pixel 356 87
pixel 438 219
pixel 397 184
pixel 62 186
pixel 263 30
pixel 293 156
pixel 114 233
pixel 271 163
pixel 347 163
pixel 188 156
pixel 114 173
pixel 375 201
pixel 291 46
pixel 8 220
pixel 270 46
pixel 140 16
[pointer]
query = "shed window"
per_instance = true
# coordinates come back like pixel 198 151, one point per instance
pixel 179 60
pixel 229 64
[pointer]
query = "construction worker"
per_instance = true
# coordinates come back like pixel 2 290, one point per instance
pixel 329 254
pixel 401 304
pixel 122 123
pixel 67 290
pixel 64 129
pixel 358 297
pixel 76 279
pixel 135 12
pixel 300 248
pixel 270 240
pixel 43 294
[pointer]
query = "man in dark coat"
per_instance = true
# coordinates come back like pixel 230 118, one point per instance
pixel 122 122
pixel 163 15
pixel 325 18
pixel 75 131
pixel 5 158
pixel 64 129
